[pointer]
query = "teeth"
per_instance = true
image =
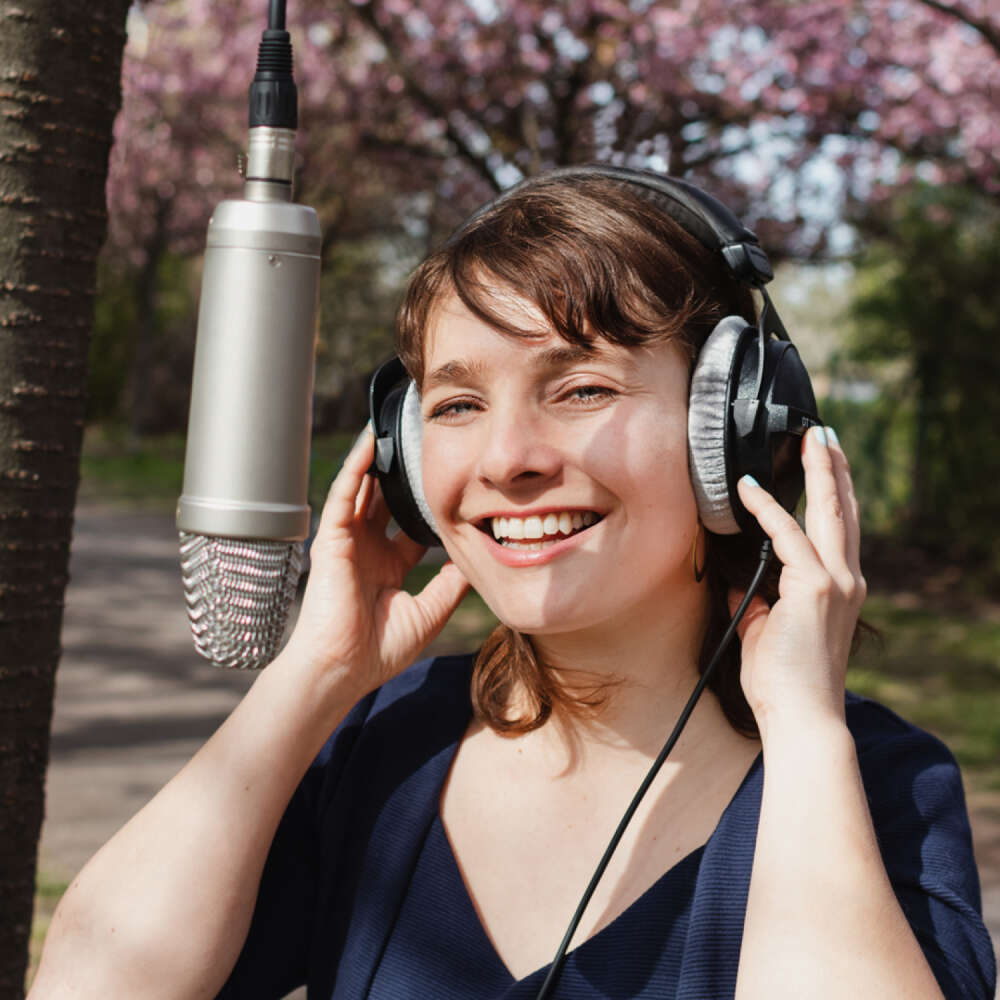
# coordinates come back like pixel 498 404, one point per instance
pixel 537 527
pixel 533 527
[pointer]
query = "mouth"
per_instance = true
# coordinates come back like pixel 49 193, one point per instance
pixel 538 530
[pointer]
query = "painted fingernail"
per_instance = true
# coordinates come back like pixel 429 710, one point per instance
pixel 750 479
pixel 832 436
pixel 820 435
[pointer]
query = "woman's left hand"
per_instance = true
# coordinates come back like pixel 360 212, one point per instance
pixel 794 655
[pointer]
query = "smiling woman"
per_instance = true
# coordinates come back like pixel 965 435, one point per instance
pixel 588 382
pixel 601 272
pixel 530 433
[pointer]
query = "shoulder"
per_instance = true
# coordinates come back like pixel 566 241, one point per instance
pixel 874 725
pixel 878 730
pixel 917 804
pixel 900 761
pixel 912 781
pixel 424 705
pixel 395 738
pixel 437 682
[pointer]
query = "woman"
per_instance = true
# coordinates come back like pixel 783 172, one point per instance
pixel 794 844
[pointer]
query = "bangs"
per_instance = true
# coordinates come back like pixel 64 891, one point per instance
pixel 574 277
pixel 592 258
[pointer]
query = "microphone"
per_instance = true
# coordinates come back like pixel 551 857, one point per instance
pixel 243 515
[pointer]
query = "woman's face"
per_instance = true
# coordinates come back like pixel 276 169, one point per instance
pixel 558 477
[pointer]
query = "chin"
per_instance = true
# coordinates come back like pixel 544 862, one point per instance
pixel 530 619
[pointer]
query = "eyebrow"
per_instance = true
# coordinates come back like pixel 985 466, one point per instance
pixel 557 357
pixel 451 372
pixel 571 354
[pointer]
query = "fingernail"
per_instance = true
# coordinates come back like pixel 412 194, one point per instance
pixel 820 435
pixel 360 437
pixel 832 435
pixel 750 479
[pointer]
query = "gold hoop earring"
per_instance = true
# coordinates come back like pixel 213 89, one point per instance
pixel 699 574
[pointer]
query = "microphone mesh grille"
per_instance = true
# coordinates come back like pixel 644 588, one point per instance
pixel 238 593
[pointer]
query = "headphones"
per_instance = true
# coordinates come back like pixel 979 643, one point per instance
pixel 750 398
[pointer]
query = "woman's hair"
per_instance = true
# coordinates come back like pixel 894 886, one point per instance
pixel 599 258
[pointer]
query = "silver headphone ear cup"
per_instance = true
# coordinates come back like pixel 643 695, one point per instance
pixel 707 418
pixel 411 428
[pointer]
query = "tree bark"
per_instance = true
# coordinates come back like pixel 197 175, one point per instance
pixel 60 65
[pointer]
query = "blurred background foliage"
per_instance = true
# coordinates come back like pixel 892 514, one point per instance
pixel 861 141
pixel 927 301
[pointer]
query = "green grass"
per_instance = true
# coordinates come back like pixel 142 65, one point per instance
pixel 48 892
pixel 144 473
pixel 327 455
pixel 940 670
pixel 149 473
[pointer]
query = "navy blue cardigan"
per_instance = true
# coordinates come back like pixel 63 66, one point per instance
pixel 361 898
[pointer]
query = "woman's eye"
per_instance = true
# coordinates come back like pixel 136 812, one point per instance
pixel 453 408
pixel 591 393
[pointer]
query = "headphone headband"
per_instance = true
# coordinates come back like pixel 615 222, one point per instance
pixel 699 213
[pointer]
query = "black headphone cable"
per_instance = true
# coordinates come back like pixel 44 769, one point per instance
pixel 556 966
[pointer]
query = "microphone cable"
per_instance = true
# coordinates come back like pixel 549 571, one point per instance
pixel 557 962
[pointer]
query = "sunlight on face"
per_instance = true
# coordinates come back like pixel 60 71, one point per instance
pixel 558 475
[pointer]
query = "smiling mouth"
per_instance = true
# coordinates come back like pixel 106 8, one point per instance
pixel 538 531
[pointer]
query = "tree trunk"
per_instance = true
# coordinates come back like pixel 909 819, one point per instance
pixel 60 64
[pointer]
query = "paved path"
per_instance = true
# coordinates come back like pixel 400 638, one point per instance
pixel 134 701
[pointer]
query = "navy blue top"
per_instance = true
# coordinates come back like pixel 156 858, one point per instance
pixel 362 897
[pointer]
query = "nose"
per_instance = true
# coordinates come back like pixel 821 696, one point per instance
pixel 518 449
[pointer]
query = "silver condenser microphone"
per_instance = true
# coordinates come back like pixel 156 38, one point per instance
pixel 243 515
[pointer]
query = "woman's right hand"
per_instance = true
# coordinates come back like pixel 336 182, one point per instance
pixel 356 624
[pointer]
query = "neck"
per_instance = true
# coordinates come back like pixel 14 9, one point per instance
pixel 647 663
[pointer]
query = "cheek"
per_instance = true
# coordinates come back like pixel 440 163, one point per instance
pixel 664 494
pixel 658 498
pixel 648 459
pixel 443 468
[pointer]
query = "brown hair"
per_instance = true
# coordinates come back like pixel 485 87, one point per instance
pixel 598 257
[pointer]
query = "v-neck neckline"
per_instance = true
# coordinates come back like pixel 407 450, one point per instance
pixel 608 930
pixel 591 943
